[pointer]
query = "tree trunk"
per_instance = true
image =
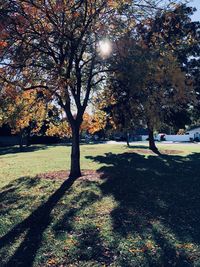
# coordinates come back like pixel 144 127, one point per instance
pixel 127 139
pixel 75 170
pixel 28 134
pixel 152 145
pixel 21 141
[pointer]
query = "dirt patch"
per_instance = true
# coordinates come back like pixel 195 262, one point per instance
pixel 89 175
pixel 171 152
pixel 150 152
pixel 92 175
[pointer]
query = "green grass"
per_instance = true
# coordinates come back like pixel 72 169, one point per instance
pixel 144 211
pixel 41 159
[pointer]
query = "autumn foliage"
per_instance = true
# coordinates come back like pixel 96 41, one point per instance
pixel 53 46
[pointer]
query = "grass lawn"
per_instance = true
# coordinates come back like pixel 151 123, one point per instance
pixel 138 209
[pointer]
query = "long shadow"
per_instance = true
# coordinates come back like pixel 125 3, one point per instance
pixel 33 227
pixel 146 147
pixel 98 142
pixel 89 245
pixel 15 149
pixel 153 192
pixel 139 147
pixel 11 199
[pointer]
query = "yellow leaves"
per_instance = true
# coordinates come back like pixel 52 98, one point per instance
pixel 137 250
pixel 105 99
pixel 113 4
pixel 52 262
pixel 70 242
pixel 94 123
pixel 149 245
pixel 22 108
pixel 62 129
pixel 188 246
pixel 112 123
pixel 91 123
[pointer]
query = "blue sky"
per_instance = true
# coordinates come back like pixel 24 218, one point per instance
pixel 195 3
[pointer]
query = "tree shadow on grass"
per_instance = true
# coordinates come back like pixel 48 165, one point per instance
pixel 139 147
pixel 12 199
pixel 32 227
pixel 158 199
pixel 16 150
pixel 80 222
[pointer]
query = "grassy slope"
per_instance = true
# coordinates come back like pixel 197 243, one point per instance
pixel 143 212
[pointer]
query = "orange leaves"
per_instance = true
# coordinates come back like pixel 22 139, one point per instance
pixel 9 92
pixel 52 262
pixel 30 9
pixel 113 4
pixel 3 36
pixel 94 123
pixel 188 246
pixel 22 108
pixel 76 15
pixel 61 129
pixel 3 44
pixel 91 123
pixel 117 3
pixel 98 122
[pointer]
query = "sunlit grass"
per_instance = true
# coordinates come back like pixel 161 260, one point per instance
pixel 46 158
pixel 40 159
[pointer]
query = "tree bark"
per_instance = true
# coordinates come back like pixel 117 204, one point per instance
pixel 127 139
pixel 75 170
pixel 28 133
pixel 21 141
pixel 152 145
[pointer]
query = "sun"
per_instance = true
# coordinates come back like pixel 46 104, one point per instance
pixel 105 48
